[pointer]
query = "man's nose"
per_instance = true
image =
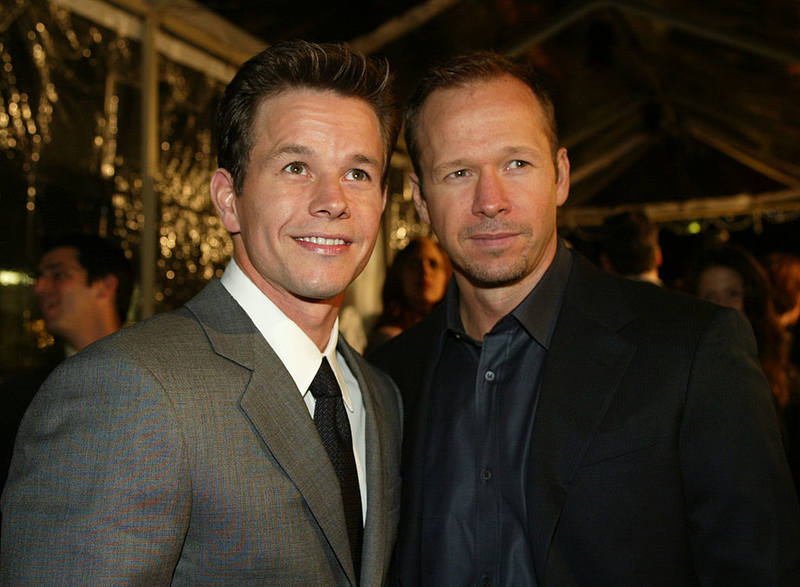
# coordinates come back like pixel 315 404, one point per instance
pixel 330 199
pixel 491 196
pixel 40 286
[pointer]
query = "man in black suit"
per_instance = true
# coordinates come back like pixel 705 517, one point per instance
pixel 566 427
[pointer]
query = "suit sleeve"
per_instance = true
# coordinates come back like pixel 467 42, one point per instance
pixel 743 512
pixel 98 491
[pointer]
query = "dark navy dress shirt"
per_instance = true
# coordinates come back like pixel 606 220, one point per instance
pixel 481 418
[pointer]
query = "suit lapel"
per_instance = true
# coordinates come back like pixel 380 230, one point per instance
pixel 275 408
pixel 585 362
pixel 277 411
pixel 377 539
pixel 416 385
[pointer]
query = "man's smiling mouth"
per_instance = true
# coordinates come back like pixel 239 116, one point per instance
pixel 321 241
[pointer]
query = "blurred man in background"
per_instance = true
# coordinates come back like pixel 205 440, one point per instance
pixel 630 247
pixel 84 286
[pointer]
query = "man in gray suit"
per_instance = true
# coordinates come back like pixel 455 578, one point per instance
pixel 185 450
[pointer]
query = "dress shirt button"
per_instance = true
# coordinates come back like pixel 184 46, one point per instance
pixel 487 581
pixel 489 376
pixel 486 474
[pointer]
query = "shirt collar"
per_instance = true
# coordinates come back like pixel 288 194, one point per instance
pixel 294 348
pixel 537 313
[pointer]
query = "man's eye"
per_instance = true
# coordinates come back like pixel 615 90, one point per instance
pixel 459 173
pixel 517 164
pixel 357 175
pixel 296 168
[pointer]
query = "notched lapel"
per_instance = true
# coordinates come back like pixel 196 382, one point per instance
pixel 275 408
pixel 277 411
pixel 377 534
pixel 584 366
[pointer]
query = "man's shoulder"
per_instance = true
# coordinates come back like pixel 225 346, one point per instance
pixel 598 288
pixel 178 336
pixel 162 330
pixel 410 350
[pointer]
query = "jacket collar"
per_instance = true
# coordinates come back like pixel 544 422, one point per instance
pixel 276 410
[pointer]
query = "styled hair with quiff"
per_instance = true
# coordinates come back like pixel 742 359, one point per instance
pixel 300 65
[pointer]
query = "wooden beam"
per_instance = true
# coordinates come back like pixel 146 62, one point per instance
pixel 149 152
pixel 703 30
pixel 400 26
pixel 610 157
pixel 556 25
pixel 756 161
pixel 188 33
pixel 617 117
pixel 708 31
pixel 694 209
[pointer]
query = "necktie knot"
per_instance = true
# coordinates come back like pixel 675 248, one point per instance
pixel 324 383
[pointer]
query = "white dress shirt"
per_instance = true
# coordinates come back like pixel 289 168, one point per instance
pixel 302 358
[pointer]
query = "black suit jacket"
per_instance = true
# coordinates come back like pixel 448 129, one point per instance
pixel 656 458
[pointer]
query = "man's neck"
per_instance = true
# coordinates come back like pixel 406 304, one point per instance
pixel 314 317
pixel 94 330
pixel 651 275
pixel 482 307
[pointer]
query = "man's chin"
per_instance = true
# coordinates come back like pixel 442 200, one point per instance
pixel 322 295
pixel 488 276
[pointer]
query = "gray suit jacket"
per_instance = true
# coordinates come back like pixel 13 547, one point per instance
pixel 179 452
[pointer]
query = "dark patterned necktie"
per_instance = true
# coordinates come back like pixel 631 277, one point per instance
pixel 334 430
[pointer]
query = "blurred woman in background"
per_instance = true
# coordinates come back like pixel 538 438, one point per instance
pixel 415 283
pixel 730 276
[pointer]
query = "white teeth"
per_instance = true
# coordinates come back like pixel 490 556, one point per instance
pixel 321 241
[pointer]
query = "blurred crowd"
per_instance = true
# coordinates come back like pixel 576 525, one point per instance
pixel 766 291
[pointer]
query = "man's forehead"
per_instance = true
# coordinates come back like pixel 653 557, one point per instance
pixel 60 257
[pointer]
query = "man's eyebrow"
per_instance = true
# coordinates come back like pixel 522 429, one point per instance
pixel 360 159
pixel 453 164
pixel 52 266
pixel 527 151
pixel 289 150
pixel 356 159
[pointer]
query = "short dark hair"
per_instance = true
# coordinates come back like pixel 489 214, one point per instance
pixel 463 70
pixel 100 258
pixel 630 242
pixel 299 65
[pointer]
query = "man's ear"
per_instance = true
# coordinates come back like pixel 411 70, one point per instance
pixel 419 201
pixel 223 195
pixel 106 286
pixel 562 179
pixel 606 264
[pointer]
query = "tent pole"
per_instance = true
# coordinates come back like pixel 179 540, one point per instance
pixel 149 147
